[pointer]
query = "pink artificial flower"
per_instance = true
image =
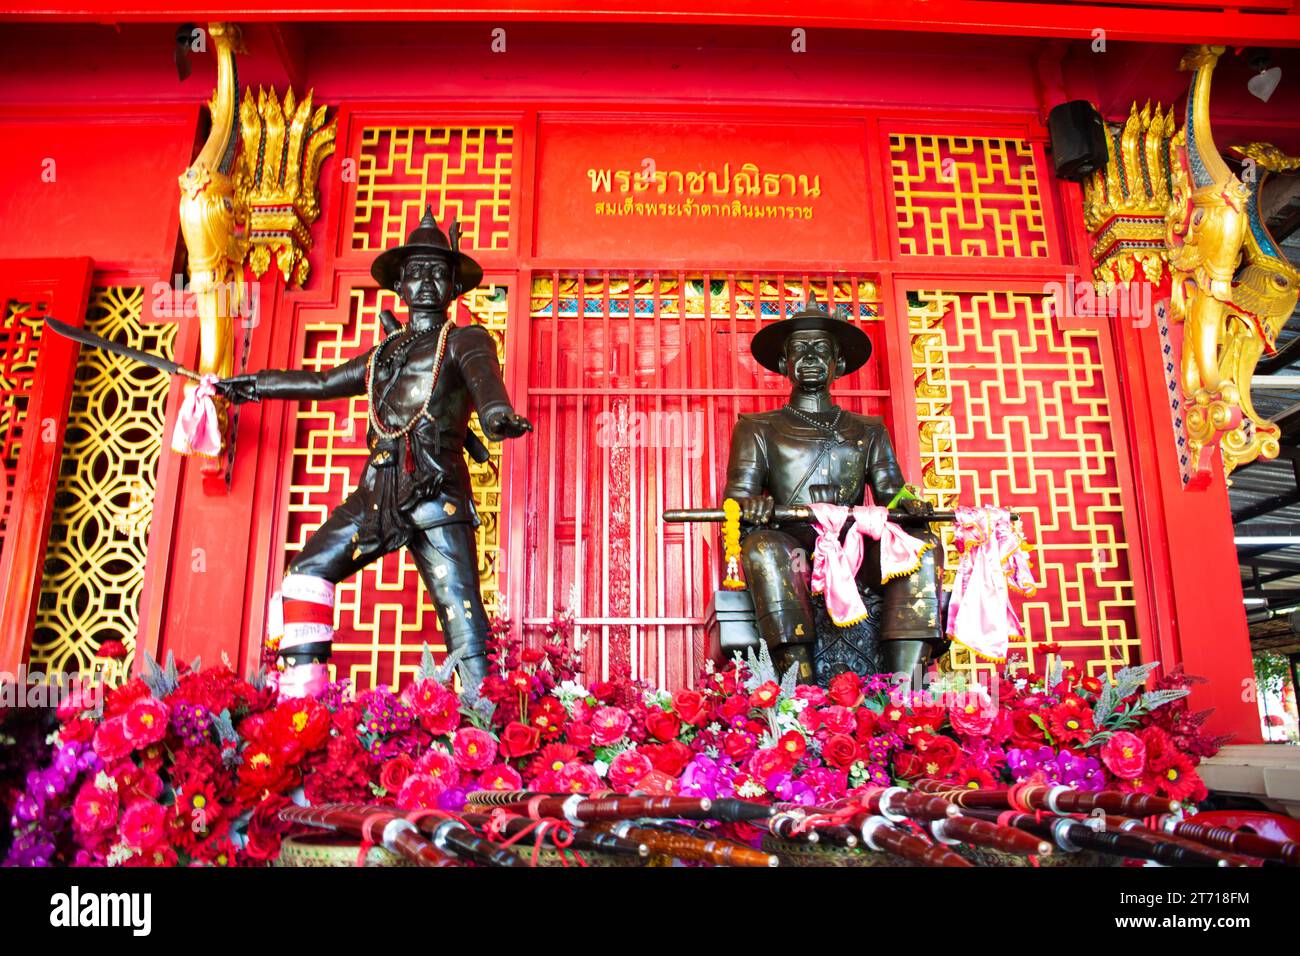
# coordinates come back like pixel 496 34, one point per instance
pixel 111 743
pixel 627 770
pixel 440 765
pixel 474 749
pixel 142 825
pixel 500 777
pixel 838 719
pixel 973 714
pixel 578 778
pixel 146 722
pixel 95 808
pixel 1124 754
pixel 437 708
pixel 609 725
pixel 420 791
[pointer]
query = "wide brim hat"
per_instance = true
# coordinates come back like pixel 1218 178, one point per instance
pixel 427 239
pixel 768 344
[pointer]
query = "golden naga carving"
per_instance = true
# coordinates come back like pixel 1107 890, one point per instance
pixel 1233 289
pixel 1125 203
pixel 276 196
pixel 250 194
pixel 208 216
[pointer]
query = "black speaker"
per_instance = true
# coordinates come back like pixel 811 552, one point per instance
pixel 1078 139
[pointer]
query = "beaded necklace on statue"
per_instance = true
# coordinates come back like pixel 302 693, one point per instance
pixel 375 423
pixel 827 427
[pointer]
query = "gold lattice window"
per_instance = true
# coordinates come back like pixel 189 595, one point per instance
pixel 966 196
pixel 19 339
pixel 95 560
pixel 1014 411
pixel 383 613
pixel 464 172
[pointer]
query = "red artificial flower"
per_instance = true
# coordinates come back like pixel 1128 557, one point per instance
pixel 865 722
pixel 136 783
pixel 765 695
pixel 532 655
pixel 907 764
pixel 552 759
pixel 738 746
pixel 609 725
pixel 474 749
pixel 142 825
pixel 266 829
pixel 846 689
pixel 299 727
pixel 580 735
pixel 1177 778
pixel 519 740
pixel 145 722
pixel 262 770
pixel 670 758
pixel 119 700
pixel 627 769
pixel 768 761
pixel 78 730
pixel 1091 684
pixel 734 706
pixel 1025 730
pixel 394 771
pixel 548 717
pixel 500 777
pixel 938 755
pixel 1070 723
pixel 439 764
pixel 662 725
pixel 690 707
pixel 975 778
pixel 658 783
pixel 793 745
pixel 519 681
pixel 112 650
pixel 841 751
pixel 927 717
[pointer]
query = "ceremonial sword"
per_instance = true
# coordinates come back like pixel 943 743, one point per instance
pixel 477 450
pixel 86 337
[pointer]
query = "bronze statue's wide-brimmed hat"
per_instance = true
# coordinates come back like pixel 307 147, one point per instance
pixel 768 344
pixel 428 240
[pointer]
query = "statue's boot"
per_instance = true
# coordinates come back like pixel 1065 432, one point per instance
pixel 787 627
pixel 475 662
pixel 306 625
pixel 904 657
pixel 785 655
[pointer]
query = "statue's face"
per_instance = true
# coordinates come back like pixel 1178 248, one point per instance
pixel 426 282
pixel 812 359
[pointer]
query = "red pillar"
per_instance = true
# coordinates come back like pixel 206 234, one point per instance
pixel 1194 577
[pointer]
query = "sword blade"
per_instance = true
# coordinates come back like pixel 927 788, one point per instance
pixel 86 337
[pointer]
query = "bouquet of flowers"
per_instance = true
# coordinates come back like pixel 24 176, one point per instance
pixel 187 765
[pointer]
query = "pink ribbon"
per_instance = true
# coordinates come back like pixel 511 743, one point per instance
pixel 836 564
pixel 994 559
pixel 900 553
pixel 197 431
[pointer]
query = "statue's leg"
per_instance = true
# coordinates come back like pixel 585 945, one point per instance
pixel 447 557
pixel 307 604
pixel 911 615
pixel 782 608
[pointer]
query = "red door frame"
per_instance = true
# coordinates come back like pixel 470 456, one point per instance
pixel 65 284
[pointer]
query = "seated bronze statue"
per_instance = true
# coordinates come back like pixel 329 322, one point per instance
pixel 811 450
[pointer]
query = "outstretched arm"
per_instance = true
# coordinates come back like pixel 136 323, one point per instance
pixel 477 356
pixel 346 379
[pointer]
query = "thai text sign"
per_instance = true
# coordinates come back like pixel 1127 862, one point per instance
pixel 696 191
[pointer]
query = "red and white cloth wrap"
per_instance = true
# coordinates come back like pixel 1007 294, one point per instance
pixel 302 611
pixel 994 559
pixel 836 564
pixel 198 430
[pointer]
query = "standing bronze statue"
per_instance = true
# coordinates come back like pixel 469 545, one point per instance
pixel 422 382
pixel 811 450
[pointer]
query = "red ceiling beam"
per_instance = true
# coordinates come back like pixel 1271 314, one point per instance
pixel 1263 22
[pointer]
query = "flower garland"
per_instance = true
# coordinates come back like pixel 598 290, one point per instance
pixel 731 544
